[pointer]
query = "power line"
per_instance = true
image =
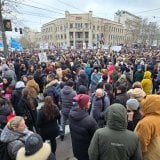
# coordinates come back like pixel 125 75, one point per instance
pixel 148 10
pixel 46 5
pixel 60 1
pixel 48 10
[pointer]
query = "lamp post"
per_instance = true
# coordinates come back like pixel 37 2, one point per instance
pixel 5 46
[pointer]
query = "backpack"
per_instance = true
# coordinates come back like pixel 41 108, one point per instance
pixel 4 155
pixel 56 93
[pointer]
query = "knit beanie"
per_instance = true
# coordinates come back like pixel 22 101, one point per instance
pixel 82 100
pixel 132 104
pixel 33 143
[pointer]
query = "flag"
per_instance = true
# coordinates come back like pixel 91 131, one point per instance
pixel 15 44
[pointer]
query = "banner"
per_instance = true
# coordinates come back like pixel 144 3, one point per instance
pixel 15 44
pixel 116 48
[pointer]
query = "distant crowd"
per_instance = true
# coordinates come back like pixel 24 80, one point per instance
pixel 109 99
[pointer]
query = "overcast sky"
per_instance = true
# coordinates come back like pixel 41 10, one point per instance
pixel 51 9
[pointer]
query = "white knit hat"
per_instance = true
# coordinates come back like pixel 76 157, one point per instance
pixel 132 104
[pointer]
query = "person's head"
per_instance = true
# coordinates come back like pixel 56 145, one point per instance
pixel 19 84
pixel 17 124
pixel 100 85
pixel 70 83
pixel 82 89
pixel 137 84
pixel 34 148
pixel 108 87
pixel 116 117
pixel 51 77
pixel 26 91
pixel 121 89
pixel 24 78
pixel 6 80
pixel 132 104
pixel 30 77
pixel 150 105
pixel 83 101
pixel 99 93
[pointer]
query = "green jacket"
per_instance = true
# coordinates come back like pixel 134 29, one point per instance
pixel 115 142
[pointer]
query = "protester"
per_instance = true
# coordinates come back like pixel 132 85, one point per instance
pixel 47 122
pixel 14 135
pixel 67 94
pixel 148 128
pixel 99 102
pixel 82 127
pixel 27 108
pixel 35 149
pixel 134 115
pixel 115 141
pixel 147 82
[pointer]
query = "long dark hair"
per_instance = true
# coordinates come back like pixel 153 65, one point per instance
pixel 49 108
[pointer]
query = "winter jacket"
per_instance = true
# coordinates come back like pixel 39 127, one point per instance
pixel 48 128
pixel 67 94
pixel 25 111
pixel 14 139
pixel 5 110
pixel 98 107
pixel 51 90
pixel 147 82
pixel 15 98
pixel 43 154
pixel 115 142
pixel 148 128
pixel 82 128
pixel 136 117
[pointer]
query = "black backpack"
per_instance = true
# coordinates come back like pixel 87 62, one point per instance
pixel 4 155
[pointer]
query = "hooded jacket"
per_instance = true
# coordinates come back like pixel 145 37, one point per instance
pixel 82 128
pixel 43 154
pixel 15 140
pixel 148 128
pixel 147 82
pixel 67 94
pixel 115 142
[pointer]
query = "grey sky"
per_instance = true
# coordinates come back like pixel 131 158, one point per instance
pixel 34 18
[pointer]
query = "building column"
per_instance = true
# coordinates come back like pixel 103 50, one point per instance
pixel 74 39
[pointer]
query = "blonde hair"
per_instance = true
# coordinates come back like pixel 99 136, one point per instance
pixel 14 122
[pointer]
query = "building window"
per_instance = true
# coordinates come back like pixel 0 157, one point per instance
pixel 86 34
pixel 71 25
pixel 98 28
pixel 86 25
pixel 61 28
pixel 65 36
pixel 94 27
pixel 93 36
pixel 71 35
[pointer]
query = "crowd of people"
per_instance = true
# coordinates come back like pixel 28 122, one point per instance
pixel 109 99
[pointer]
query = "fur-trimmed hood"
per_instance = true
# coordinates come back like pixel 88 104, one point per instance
pixel 52 83
pixel 42 154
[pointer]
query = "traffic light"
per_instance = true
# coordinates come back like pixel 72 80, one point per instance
pixel 7 25
pixel 16 30
pixel 20 30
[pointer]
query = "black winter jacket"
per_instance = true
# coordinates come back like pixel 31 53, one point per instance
pixel 82 128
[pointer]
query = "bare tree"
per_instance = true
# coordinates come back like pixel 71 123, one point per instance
pixel 7 8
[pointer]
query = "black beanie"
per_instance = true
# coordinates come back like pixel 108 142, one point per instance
pixel 33 143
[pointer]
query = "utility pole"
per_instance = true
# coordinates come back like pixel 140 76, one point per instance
pixel 5 46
